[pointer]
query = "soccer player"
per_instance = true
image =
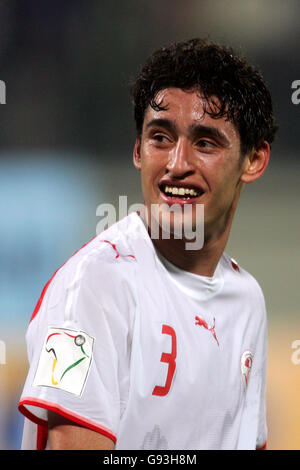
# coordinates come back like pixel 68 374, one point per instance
pixel 145 342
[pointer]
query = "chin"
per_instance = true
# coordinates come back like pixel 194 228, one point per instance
pixel 179 225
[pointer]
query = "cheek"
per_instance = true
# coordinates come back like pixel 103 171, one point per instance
pixel 223 185
pixel 148 177
pixel 224 173
pixel 152 166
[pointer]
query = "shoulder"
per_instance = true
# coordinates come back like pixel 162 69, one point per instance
pixel 103 269
pixel 242 280
pixel 107 257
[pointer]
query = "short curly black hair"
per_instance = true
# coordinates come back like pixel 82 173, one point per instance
pixel 217 72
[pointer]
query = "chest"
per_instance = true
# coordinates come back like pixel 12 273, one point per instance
pixel 185 349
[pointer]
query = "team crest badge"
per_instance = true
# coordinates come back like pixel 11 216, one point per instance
pixel 246 364
pixel 65 360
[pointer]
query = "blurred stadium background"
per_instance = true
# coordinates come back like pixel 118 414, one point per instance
pixel 66 138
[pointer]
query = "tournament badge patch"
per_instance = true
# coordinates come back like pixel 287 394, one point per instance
pixel 65 360
pixel 246 364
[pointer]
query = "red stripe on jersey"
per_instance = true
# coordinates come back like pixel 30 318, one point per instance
pixel 39 303
pixel 42 437
pixel 262 447
pixel 47 405
pixel 235 266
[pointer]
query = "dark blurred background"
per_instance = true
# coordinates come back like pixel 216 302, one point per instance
pixel 66 139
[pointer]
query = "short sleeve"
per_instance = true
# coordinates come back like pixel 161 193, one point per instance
pixel 78 347
pixel 262 430
pixel 253 433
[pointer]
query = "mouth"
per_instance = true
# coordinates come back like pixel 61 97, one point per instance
pixel 180 193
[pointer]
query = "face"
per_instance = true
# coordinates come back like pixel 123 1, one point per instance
pixel 187 158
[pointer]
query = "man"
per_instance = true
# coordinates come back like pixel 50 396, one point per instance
pixel 144 342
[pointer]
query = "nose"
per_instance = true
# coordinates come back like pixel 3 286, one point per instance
pixel 180 162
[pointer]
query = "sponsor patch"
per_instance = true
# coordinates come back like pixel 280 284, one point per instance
pixel 65 360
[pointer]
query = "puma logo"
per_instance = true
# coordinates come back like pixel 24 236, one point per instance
pixel 201 322
pixel 116 250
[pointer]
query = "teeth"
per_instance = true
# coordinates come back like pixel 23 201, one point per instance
pixel 180 191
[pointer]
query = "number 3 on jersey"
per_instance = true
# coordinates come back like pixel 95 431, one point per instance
pixel 170 359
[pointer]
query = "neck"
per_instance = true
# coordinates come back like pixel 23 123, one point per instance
pixel 202 262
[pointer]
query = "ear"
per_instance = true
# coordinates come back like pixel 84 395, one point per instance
pixel 256 163
pixel 137 154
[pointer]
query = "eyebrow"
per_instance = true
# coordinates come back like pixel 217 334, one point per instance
pixel 210 131
pixel 194 129
pixel 161 122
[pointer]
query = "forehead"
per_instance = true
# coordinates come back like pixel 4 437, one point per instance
pixel 186 108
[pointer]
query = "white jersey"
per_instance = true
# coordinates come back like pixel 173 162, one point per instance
pixel 128 345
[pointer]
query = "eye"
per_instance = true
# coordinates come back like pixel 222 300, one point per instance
pixel 160 137
pixel 205 144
